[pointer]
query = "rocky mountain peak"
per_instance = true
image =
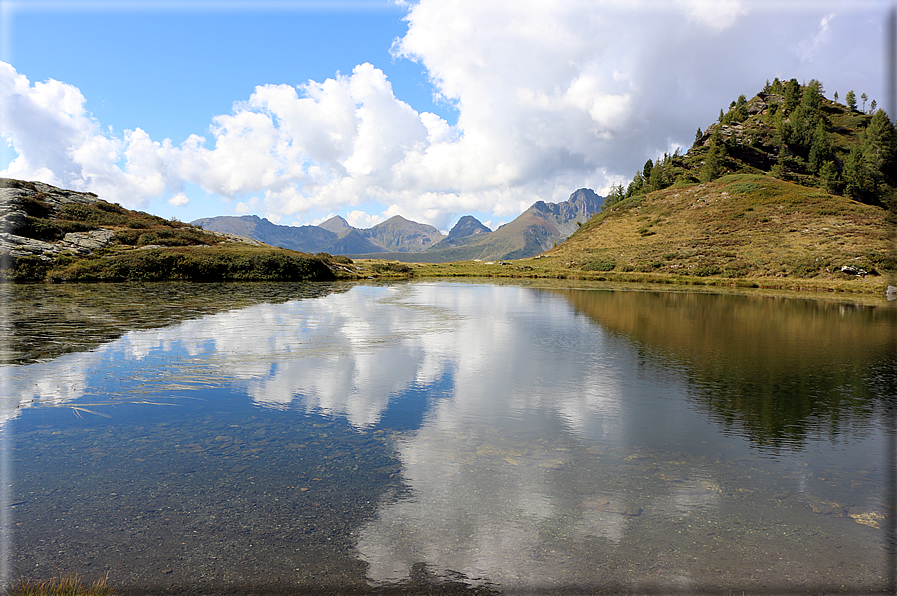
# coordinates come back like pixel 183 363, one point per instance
pixel 467 226
pixel 337 225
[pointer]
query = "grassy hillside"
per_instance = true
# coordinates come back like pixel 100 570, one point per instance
pixel 739 226
pixel 748 230
pixel 788 184
pixel 57 235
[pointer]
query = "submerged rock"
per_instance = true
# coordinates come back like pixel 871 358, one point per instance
pixel 872 519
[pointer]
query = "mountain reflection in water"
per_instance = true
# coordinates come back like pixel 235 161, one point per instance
pixel 505 436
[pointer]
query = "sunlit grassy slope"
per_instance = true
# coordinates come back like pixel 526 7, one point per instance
pixel 747 230
pixel 740 226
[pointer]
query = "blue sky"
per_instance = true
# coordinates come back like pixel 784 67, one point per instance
pixel 433 109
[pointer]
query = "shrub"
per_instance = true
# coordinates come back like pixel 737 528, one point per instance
pixel 147 239
pixel 807 268
pixel 33 206
pixel 110 207
pixel 127 237
pixel 391 267
pixel 324 256
pixel 49 230
pixel 600 265
pixel 197 265
pixel 736 269
pixel 24 269
pixel 707 270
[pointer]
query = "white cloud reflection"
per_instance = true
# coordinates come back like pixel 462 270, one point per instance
pixel 548 445
pixel 490 468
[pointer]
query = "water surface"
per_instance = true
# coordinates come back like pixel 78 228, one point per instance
pixel 453 435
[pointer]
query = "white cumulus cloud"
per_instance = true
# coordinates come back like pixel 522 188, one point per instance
pixel 179 200
pixel 57 141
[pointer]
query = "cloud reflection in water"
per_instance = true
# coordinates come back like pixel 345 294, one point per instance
pixel 543 447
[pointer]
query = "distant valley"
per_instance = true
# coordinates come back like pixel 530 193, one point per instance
pixel 536 230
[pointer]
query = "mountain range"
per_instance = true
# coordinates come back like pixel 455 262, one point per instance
pixel 536 230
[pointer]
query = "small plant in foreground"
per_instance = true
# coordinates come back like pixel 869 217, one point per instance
pixel 69 585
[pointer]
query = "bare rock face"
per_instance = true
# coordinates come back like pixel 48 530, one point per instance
pixel 19 246
pixel 87 242
pixel 12 192
pixel 13 216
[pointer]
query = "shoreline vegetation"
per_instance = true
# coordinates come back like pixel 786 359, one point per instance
pixel 548 271
pixel 61 585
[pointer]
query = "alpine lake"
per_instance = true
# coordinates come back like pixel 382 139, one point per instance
pixel 447 437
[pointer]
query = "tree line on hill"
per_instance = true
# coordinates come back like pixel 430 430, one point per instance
pixel 792 132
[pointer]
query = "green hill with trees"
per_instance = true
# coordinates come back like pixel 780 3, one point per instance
pixel 788 184
pixel 793 133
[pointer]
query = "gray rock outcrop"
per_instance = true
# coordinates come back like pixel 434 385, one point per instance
pixel 13 217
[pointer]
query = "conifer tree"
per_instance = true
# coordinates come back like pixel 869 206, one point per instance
pixel 698 136
pixel 879 148
pixel 646 170
pixel 812 95
pixel 741 113
pixel 851 100
pixel 614 195
pixel 713 162
pixel 820 149
pixel 858 184
pixel 656 179
pixel 661 173
pixel 792 94
pixel 872 163
pixel 784 130
pixel 637 185
pixel 828 174
pixel 865 98
pixel 778 169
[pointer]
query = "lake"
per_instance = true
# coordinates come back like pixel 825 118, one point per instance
pixel 447 437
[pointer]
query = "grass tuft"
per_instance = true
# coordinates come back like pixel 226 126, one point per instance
pixel 68 585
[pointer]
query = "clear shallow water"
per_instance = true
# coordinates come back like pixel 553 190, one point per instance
pixel 324 437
